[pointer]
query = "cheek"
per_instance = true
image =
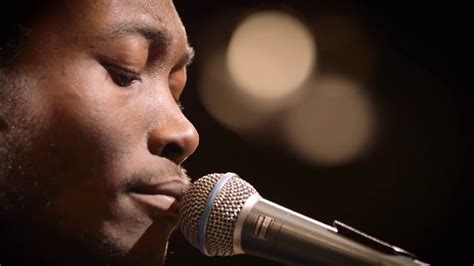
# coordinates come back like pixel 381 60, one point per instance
pixel 89 108
pixel 78 139
pixel 84 132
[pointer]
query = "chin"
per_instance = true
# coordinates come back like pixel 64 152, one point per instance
pixel 145 244
pixel 125 238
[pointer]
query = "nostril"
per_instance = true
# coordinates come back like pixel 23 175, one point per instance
pixel 172 151
pixel 172 141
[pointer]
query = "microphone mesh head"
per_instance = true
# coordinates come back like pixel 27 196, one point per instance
pixel 225 209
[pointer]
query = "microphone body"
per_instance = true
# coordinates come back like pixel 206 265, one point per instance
pixel 268 230
pixel 223 215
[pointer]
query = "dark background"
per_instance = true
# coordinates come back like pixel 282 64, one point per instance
pixel 413 189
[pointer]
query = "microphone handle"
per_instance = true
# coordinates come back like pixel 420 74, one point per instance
pixel 268 230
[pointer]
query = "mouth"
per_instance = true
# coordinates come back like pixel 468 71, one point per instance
pixel 159 200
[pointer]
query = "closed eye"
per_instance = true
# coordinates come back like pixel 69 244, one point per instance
pixel 121 76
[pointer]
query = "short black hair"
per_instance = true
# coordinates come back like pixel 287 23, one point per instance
pixel 15 22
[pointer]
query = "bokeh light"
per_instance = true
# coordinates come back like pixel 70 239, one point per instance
pixel 226 103
pixel 270 55
pixel 334 125
pixel 261 71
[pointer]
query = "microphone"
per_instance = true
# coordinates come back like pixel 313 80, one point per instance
pixel 223 215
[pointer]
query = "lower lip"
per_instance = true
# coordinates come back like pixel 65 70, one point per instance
pixel 157 204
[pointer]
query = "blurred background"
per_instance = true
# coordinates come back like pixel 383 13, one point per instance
pixel 339 110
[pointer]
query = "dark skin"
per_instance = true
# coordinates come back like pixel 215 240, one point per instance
pixel 93 136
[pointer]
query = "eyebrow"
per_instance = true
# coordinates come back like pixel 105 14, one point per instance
pixel 154 36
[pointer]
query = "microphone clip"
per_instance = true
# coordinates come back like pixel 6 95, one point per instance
pixel 370 241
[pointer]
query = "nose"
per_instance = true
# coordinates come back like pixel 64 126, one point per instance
pixel 175 139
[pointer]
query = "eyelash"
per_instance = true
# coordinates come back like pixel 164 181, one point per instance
pixel 117 72
pixel 121 76
pixel 180 105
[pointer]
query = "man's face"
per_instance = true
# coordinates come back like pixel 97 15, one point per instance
pixel 91 134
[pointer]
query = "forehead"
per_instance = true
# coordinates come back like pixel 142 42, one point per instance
pixel 101 15
pixel 153 11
